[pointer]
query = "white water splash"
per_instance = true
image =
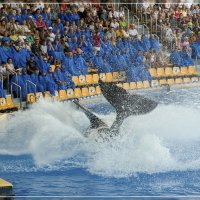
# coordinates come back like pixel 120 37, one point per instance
pixel 160 141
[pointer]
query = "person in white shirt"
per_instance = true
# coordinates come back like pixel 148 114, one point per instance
pixel 114 24
pixel 121 12
pixel 21 36
pixel 116 14
pixel 10 66
pixel 3 71
pixel 24 26
pixel 168 33
pixel 132 30
pixel 51 36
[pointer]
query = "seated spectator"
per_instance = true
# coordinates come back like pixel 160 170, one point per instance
pixel 10 25
pixel 57 46
pixel 35 79
pixel 2 93
pixel 80 63
pixel 14 35
pixel 185 42
pixel 24 26
pixel 121 62
pixel 25 77
pixel 43 47
pixel 2 26
pixel 35 48
pixel 69 64
pixel 50 35
pixel 145 43
pixel 17 78
pixel 57 34
pixel 133 31
pixel 68 79
pixel 10 67
pixel 29 37
pixel 122 22
pixel 21 36
pixel 105 68
pixel 96 42
pixel 31 65
pixel 17 26
pixel 114 24
pixel 40 23
pixel 59 79
pixel 152 58
pixel 154 43
pixel 3 71
pixel 31 23
pixel 186 57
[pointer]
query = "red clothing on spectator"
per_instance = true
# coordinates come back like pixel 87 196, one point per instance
pixel 177 14
pixel 41 24
pixel 63 6
pixel 97 41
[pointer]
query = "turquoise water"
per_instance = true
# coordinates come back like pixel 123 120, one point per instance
pixel 43 151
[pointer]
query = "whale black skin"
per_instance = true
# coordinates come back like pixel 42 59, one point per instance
pixel 125 104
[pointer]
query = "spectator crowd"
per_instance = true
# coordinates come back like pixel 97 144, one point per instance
pixel 76 37
pixel 178 25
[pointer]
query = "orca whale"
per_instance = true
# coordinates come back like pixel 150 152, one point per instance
pixel 125 104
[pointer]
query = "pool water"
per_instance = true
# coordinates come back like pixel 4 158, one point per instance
pixel 43 151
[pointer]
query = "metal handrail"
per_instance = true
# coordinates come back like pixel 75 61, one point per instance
pixel 155 35
pixel 30 82
pixel 1 79
pixel 128 20
pixel 145 26
pixel 8 80
pixel 20 92
pixel 138 21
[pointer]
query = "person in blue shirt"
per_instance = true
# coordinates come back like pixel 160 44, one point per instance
pixel 18 79
pixel 119 43
pixel 83 44
pixel 5 52
pixel 58 25
pixel 20 56
pixel 57 46
pixel 26 78
pixel 59 79
pixel 107 47
pixel 127 57
pixel 80 63
pixel 175 58
pixel 75 43
pixel 68 78
pixel 154 43
pixel 78 34
pixel 97 62
pixel 145 43
pixel 69 64
pixel 2 93
pixel 186 57
pixel 139 57
pixel 105 68
pixel 35 79
pixel 75 17
pixel 121 62
pixel 43 64
pixel 113 60
pixel 137 44
pixel 69 44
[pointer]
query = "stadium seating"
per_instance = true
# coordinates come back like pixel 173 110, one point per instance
pixel 86 82
pixel 133 85
pixel 62 94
